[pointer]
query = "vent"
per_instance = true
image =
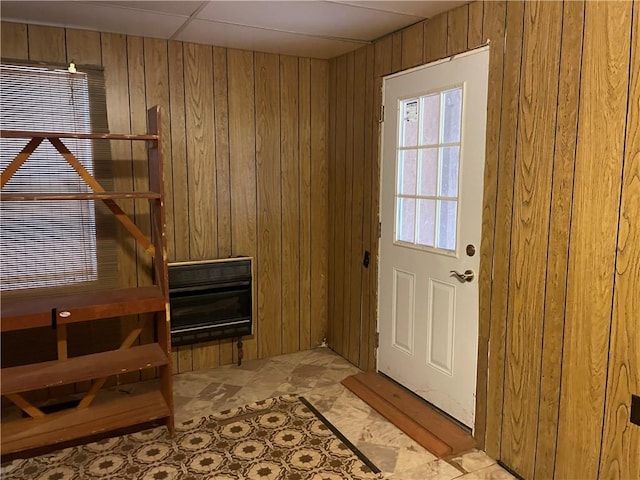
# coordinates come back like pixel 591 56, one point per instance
pixel 210 300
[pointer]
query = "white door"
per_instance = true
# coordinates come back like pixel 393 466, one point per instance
pixel 433 146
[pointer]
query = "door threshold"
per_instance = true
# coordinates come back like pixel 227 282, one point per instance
pixel 430 428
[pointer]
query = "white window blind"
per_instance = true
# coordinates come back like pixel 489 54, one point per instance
pixel 47 244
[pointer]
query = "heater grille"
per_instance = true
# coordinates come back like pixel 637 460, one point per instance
pixel 210 300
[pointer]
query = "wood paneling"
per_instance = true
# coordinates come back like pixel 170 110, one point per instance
pixel 476 18
pixel 529 231
pixel 558 342
pixel 457 30
pixel 333 176
pixel 319 201
pixel 493 27
pixel 14 40
pixel 435 38
pixel 178 249
pixel 47 44
pixel 383 52
pixel 412 44
pixel 290 187
pixel 354 257
pixel 368 325
pixel 201 151
pixel 502 233
pixel 596 202
pixel 114 48
pixel 246 168
pixel 347 200
pixel 242 151
pixel 339 322
pixel 304 185
pixel 83 47
pixel 620 455
pixel 561 198
pixel 268 169
pixel 223 192
pixel 140 171
pixel 138 123
pixel 156 64
pixel 396 52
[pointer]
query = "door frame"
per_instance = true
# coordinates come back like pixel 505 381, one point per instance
pixel 484 280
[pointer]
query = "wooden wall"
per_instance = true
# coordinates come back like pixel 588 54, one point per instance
pixel 559 346
pixel 245 166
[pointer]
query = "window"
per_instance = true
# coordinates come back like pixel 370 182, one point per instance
pixel 49 243
pixel 427 170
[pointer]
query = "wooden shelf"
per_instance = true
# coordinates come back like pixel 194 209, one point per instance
pixel 20 197
pixel 77 369
pixel 18 314
pixel 55 428
pixel 88 136
pixel 92 417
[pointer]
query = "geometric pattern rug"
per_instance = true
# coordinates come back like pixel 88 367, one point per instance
pixel 282 438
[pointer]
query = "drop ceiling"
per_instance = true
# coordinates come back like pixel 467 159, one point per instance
pixel 320 29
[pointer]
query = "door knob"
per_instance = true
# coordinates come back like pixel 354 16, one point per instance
pixel 467 276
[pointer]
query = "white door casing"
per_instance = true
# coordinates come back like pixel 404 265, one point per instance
pixel 432 173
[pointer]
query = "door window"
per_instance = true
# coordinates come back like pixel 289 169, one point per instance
pixel 428 170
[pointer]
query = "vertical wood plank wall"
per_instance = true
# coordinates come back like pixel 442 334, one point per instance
pixel 559 345
pixel 559 342
pixel 246 168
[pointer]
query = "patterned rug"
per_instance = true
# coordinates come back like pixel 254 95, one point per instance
pixel 283 438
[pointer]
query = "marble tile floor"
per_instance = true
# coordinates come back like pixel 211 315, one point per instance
pixel 316 375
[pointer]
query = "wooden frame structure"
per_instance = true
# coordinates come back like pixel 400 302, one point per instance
pixel 89 419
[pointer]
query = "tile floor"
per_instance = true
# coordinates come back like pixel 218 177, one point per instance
pixel 316 375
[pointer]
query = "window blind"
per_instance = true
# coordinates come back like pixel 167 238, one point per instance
pixel 60 245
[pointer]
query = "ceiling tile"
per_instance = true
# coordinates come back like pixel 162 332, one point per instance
pixel 262 40
pixel 93 17
pixel 185 8
pixel 313 18
pixel 424 9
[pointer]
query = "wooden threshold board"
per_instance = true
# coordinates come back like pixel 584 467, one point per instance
pixel 59 427
pixel 415 417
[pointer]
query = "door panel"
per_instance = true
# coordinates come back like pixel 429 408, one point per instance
pixel 440 330
pixel 431 208
pixel 403 312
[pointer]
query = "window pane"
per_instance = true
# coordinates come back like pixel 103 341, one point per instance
pixel 452 116
pixel 407 172
pixel 405 219
pixel 449 173
pixel 409 123
pixel 447 213
pixel 426 224
pixel 429 171
pixel 430 119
